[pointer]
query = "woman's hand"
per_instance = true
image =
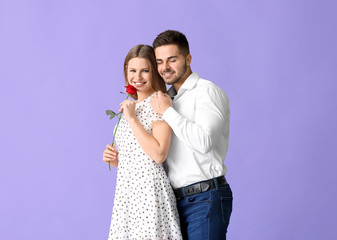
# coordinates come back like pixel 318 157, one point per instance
pixel 128 107
pixel 110 154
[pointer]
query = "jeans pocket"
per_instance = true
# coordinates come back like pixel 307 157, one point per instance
pixel 226 208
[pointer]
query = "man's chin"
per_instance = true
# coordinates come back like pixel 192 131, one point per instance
pixel 170 81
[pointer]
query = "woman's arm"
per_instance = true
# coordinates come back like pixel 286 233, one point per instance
pixel 156 145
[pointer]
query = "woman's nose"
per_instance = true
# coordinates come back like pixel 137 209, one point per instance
pixel 139 75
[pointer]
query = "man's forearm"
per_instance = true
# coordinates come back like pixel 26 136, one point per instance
pixel 198 137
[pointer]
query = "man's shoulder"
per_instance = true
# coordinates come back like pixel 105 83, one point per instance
pixel 207 85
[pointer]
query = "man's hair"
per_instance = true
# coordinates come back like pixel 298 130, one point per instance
pixel 172 37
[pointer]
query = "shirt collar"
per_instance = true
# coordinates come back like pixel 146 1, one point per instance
pixel 190 81
pixel 188 84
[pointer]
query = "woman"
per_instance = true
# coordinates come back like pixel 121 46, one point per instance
pixel 144 205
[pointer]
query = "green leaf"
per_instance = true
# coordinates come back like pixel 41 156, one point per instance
pixel 111 113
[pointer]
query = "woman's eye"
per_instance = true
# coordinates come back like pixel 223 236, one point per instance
pixel 146 71
pixel 172 60
pixel 132 70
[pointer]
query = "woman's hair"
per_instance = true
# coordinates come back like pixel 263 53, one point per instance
pixel 146 52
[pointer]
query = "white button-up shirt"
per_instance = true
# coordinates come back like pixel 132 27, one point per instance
pixel 200 122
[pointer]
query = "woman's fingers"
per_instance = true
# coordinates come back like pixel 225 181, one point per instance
pixel 126 101
pixel 111 148
pixel 110 154
pixel 109 159
pixel 113 162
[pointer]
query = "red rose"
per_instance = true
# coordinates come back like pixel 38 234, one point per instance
pixel 131 89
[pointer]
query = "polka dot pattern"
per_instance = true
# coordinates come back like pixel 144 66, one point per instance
pixel 144 205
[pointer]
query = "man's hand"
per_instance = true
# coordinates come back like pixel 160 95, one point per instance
pixel 160 102
pixel 110 155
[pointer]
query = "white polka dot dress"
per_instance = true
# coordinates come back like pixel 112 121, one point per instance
pixel 144 205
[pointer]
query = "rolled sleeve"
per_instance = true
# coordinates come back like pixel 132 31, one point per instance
pixel 170 115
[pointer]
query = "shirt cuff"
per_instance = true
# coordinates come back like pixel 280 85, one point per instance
pixel 170 115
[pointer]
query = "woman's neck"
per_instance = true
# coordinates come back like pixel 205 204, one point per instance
pixel 142 95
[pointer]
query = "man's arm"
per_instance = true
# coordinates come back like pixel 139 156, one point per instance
pixel 211 116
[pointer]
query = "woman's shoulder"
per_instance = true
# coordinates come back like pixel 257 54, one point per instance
pixel 146 111
pixel 144 107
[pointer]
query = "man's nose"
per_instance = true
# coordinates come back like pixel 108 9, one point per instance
pixel 166 66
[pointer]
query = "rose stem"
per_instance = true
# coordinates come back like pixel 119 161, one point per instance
pixel 119 119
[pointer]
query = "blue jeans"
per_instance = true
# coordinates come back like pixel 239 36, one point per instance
pixel 205 216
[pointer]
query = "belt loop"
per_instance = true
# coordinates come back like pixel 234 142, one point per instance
pixel 216 183
pixel 183 190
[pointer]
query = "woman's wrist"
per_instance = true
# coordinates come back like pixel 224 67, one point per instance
pixel 132 119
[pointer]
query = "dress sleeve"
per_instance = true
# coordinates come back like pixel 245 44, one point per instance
pixel 156 117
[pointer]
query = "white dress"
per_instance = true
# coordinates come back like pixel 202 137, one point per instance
pixel 144 205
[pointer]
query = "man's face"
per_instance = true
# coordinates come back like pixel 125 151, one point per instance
pixel 172 65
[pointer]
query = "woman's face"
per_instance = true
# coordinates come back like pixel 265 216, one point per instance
pixel 139 74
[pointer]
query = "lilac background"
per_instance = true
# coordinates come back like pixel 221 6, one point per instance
pixel 61 68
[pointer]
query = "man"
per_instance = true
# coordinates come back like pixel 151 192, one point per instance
pixel 199 117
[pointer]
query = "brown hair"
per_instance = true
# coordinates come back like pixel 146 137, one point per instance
pixel 172 37
pixel 147 52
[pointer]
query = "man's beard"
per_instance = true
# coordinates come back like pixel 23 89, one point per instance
pixel 179 77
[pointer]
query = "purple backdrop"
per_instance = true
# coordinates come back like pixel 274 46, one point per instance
pixel 61 68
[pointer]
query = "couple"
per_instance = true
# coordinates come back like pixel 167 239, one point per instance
pixel 190 133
